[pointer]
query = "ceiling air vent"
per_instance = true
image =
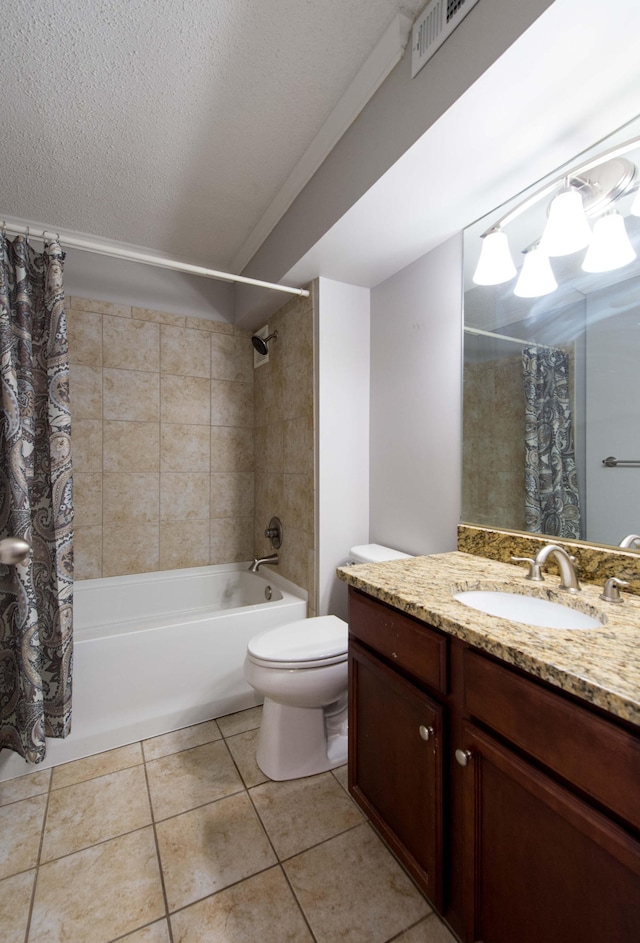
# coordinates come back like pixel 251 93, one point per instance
pixel 437 21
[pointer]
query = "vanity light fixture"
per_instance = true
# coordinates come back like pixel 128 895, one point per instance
pixel 610 247
pixel 635 206
pixel 536 276
pixel 567 229
pixel 495 264
pixel 588 190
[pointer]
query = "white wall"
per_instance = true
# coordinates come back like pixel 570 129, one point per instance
pixel 416 376
pixel 343 353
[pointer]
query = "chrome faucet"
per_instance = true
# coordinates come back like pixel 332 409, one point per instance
pixel 273 559
pixel 630 541
pixel 568 578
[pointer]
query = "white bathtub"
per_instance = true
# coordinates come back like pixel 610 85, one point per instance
pixel 159 651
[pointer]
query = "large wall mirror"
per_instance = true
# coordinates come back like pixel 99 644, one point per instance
pixel 551 428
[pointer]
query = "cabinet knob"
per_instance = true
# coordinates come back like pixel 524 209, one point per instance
pixel 463 757
pixel 426 732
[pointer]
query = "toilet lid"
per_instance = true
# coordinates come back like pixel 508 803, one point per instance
pixel 307 641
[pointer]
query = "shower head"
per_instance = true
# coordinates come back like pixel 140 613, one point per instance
pixel 261 343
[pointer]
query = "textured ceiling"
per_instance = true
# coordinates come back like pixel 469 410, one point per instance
pixel 170 124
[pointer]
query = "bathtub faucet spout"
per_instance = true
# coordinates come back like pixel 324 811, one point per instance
pixel 273 559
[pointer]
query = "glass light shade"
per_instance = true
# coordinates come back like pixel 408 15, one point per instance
pixel 610 248
pixel 567 229
pixel 495 264
pixel 635 206
pixel 536 276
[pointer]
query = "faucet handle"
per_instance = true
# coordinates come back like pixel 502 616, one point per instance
pixel 611 590
pixel 535 571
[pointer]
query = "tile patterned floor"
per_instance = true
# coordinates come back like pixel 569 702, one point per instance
pixel 182 839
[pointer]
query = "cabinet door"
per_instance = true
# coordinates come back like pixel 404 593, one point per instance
pixel 540 864
pixel 395 764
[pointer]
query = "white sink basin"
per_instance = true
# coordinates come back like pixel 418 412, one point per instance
pixel 527 609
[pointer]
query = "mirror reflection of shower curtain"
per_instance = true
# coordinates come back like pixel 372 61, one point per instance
pixel 552 502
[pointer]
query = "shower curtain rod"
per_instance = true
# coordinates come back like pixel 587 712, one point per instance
pixel 131 255
pixel 505 337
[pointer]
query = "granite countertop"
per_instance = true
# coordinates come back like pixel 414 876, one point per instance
pixel 600 665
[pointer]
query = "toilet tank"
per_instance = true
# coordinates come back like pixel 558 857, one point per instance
pixel 375 553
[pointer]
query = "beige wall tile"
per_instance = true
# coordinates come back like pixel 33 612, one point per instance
pixel 87 552
pixel 269 448
pixel 84 332
pixel 184 448
pixel 101 307
pixel 184 352
pixel 85 392
pixel 232 449
pixel 298 446
pixel 231 358
pixel 130 549
pixel 231 540
pixel 185 400
pixel 87 499
pixel 232 495
pixel 160 317
pixel 231 403
pixel 184 544
pixel 131 497
pixel 205 324
pixel 298 500
pixel 184 496
pixel 297 392
pixel 269 390
pixel 132 395
pixel 130 345
pixel 131 446
pixel 86 444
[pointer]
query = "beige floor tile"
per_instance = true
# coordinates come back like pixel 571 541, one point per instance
pixel 243 749
pixel 95 811
pixel 99 765
pixel 24 787
pixel 153 933
pixel 240 721
pixel 100 893
pixel 179 740
pixel 429 930
pixel 352 890
pixel 191 778
pixel 211 847
pixel 20 830
pixel 15 900
pixel 301 813
pixel 342 775
pixel 258 910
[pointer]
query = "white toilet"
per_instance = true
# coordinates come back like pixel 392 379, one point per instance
pixel 301 669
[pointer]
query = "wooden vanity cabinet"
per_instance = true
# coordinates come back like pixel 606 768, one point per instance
pixel 521 818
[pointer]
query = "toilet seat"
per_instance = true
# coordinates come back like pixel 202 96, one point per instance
pixel 307 643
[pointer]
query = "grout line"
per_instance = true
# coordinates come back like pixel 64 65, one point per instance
pixel 37 865
pixel 159 858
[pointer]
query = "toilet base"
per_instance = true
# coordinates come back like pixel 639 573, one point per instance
pixel 296 742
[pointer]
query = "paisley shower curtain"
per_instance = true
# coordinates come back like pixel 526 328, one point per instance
pixel 35 499
pixel 552 501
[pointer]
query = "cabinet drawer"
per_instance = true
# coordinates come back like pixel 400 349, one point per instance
pixel 406 642
pixel 596 755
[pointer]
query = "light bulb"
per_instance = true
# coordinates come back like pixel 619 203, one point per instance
pixel 495 264
pixel 567 229
pixel 610 247
pixel 536 276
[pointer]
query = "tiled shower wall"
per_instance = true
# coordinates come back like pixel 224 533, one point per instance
pixel 285 443
pixel 170 458
pixel 162 433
